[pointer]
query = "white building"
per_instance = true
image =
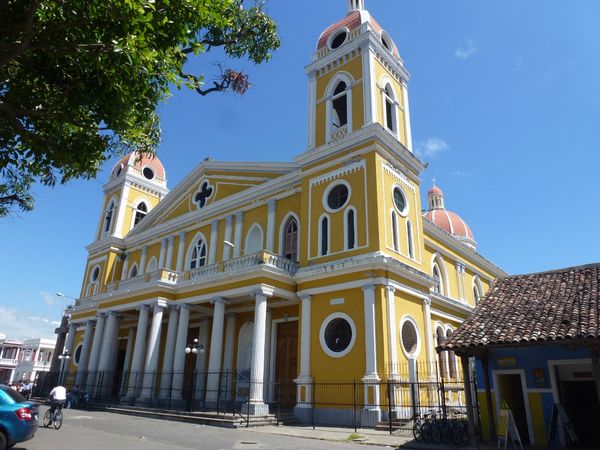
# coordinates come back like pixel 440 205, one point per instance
pixel 10 352
pixel 36 356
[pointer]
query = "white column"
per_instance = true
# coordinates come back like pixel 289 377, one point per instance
pixel 272 210
pixel 216 350
pixel 109 337
pixel 179 356
pixel 69 349
pixel 168 355
pixel 460 276
pixel 239 224
pixel 370 341
pixel 229 342
pixel 429 339
pixel 137 361
pixel 201 359
pixel 85 352
pixel 180 252
pixel 369 86
pixel 125 266
pixel 161 257
pixel 266 374
pixel 256 404
pixel 227 237
pixel 212 248
pixel 121 212
pixel 312 109
pixel 95 353
pixel 390 298
pixel 409 144
pixel 170 244
pixel 153 350
pixel 129 350
pixel 142 268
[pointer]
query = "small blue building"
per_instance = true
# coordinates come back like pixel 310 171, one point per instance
pixel 536 339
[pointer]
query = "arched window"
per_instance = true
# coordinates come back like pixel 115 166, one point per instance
pixel 108 216
pixel 254 240
pixel 198 256
pixel 290 239
pixel 350 229
pixel 395 240
pixel 390 108
pixel 477 290
pixel 140 213
pixel 324 236
pixel 152 265
pixel 340 106
pixel 437 274
pixel 442 356
pixel 409 237
pixel 133 272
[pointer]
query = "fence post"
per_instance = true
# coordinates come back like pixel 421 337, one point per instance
pixel 389 392
pixel 219 393
pixel 314 394
pixel 278 389
pixel 354 403
pixel 443 399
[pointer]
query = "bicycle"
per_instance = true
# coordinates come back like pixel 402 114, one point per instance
pixel 55 419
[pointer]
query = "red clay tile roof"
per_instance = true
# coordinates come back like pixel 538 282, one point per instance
pixel 544 307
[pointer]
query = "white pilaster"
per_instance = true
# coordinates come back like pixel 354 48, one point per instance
pixel 95 353
pixel 142 268
pixel 227 237
pixel 85 352
pixel 266 374
pixel 117 230
pixel 170 244
pixel 180 252
pixel 212 248
pixel 129 350
pixel 312 109
pixel 370 338
pixel 168 354
pixel 201 359
pixel 153 350
pixel 179 356
pixel 216 351
pixel 239 225
pixel 272 210
pixel 460 275
pixel 229 342
pixel 256 404
pixel 390 298
pixel 161 257
pixel 305 339
pixel 137 361
pixel 429 339
pixel 409 144
pixel 369 86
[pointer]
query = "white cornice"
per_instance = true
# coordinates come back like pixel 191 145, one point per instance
pixel 460 248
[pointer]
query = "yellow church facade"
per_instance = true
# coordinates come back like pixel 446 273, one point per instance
pixel 323 268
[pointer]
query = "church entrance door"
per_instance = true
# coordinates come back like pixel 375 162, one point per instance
pixel 286 363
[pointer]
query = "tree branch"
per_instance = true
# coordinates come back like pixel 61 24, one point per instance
pixel 28 35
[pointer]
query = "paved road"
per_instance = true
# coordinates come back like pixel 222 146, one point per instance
pixel 105 431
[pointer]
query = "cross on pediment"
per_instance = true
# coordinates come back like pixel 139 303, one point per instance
pixel 203 194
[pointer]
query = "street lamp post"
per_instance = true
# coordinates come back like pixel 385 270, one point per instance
pixel 64 358
pixel 193 349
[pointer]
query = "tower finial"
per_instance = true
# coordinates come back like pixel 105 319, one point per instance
pixel 355 5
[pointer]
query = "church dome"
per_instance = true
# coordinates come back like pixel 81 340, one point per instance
pixel 148 166
pixel 447 220
pixel 339 33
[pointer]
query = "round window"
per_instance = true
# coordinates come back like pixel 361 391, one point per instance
pixel 410 339
pixel 338 39
pixel 148 173
pixel 95 274
pixel 338 335
pixel 338 196
pixel 77 355
pixel 399 200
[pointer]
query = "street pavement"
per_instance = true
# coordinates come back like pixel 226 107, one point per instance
pixel 93 430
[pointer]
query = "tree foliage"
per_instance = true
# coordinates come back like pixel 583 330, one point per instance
pixel 80 80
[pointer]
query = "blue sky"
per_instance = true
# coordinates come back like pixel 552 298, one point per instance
pixel 505 106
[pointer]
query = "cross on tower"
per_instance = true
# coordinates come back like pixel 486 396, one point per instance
pixel 203 195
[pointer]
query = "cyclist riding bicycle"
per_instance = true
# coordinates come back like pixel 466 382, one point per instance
pixel 58 397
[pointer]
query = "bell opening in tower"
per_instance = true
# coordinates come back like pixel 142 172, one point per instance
pixel 340 106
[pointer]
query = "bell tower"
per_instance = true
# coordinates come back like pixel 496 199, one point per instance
pixel 357 80
pixel 137 184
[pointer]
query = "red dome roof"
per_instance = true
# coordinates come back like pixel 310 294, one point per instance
pixel 434 191
pixel 353 20
pixel 451 223
pixel 140 162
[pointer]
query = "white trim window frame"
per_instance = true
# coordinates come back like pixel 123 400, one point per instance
pixel 413 322
pixel 134 271
pixel 334 130
pixel 395 231
pixel 283 234
pixel 347 234
pixel 330 188
pixel 325 323
pixel 324 251
pixel 141 212
pixel 198 244
pixel 410 240
pixel 108 217
pixel 389 97
pixel 248 242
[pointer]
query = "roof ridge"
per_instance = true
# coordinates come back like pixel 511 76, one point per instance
pixel 565 269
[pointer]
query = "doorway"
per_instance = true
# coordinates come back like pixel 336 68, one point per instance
pixel 286 363
pixel 510 392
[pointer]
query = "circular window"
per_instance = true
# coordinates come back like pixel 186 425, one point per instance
pixel 410 338
pixel 77 355
pixel 337 196
pixel 400 201
pixel 148 173
pixel 338 39
pixel 95 274
pixel 337 335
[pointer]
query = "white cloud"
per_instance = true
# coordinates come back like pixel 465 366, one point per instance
pixel 48 298
pixel 431 147
pixel 20 324
pixel 467 51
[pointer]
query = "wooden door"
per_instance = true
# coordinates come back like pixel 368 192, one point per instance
pixel 286 363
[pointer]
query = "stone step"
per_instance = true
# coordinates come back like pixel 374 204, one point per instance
pixel 397 424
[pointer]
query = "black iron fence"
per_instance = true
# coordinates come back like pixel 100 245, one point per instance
pixel 407 395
